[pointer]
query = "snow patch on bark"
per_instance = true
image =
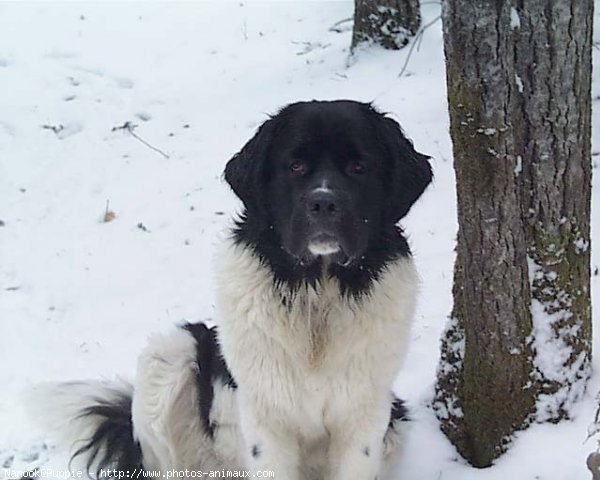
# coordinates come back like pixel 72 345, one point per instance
pixel 515 21
pixel 553 352
pixel 519 165
pixel 447 405
pixel 519 83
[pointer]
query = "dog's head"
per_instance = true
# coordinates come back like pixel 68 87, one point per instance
pixel 327 179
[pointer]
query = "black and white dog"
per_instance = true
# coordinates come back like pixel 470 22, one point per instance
pixel 316 291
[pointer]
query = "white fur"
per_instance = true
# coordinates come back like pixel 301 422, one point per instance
pixel 324 187
pixel 314 371
pixel 313 367
pixel 165 409
pixel 323 247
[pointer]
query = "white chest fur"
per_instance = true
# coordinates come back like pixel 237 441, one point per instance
pixel 307 358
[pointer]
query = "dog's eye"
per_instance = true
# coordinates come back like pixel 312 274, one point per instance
pixel 298 168
pixel 356 168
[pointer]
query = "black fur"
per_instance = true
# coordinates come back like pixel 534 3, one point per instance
pixel 399 412
pixel 328 135
pixel 112 446
pixel 255 451
pixel 211 368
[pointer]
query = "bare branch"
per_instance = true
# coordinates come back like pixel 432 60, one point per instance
pixel 417 40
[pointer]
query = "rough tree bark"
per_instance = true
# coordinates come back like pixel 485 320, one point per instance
pixel 517 348
pixel 388 23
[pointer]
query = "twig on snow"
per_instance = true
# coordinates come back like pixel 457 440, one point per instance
pixel 130 127
pixel 336 27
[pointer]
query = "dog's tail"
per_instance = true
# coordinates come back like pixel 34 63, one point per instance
pixel 94 420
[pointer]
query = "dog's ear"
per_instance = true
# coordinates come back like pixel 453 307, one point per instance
pixel 243 171
pixel 409 171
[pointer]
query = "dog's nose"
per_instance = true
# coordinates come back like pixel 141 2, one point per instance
pixel 323 204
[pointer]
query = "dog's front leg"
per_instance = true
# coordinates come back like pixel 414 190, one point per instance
pixel 356 447
pixel 270 447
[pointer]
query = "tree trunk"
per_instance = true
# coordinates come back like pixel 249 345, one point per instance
pixel 388 23
pixel 518 345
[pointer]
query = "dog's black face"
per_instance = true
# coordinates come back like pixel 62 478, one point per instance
pixel 327 181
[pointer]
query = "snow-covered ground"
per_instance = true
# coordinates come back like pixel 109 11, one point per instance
pixel 79 296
